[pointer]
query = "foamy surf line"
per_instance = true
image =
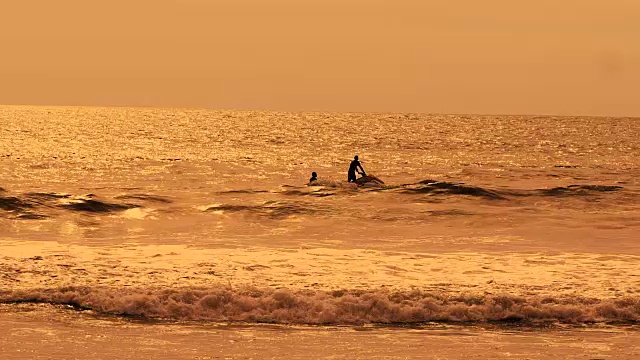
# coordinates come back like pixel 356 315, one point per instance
pixel 341 307
pixel 321 285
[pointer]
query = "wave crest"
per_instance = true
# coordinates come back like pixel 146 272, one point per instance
pixel 579 190
pixel 283 306
pixel 26 206
pixel 442 187
pixel 434 187
pixel 12 203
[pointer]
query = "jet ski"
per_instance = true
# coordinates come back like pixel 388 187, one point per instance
pixel 369 181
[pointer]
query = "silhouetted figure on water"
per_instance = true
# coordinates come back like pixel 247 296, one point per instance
pixel 314 177
pixel 353 169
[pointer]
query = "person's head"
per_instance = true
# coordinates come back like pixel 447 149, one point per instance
pixel 355 157
pixel 313 174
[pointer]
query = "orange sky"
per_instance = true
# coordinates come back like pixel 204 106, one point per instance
pixel 445 56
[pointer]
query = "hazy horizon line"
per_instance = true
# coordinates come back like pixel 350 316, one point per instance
pixel 315 111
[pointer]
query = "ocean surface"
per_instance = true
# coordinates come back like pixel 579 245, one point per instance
pixel 194 234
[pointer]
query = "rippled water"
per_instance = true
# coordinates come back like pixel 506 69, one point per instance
pixel 207 215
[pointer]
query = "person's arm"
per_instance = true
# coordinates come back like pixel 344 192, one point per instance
pixel 361 168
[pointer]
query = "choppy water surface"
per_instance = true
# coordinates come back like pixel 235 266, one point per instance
pixel 204 215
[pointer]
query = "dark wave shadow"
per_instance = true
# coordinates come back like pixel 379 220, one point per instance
pixel 95 206
pixel 145 197
pixel 443 188
pixel 449 212
pixel 50 196
pixel 244 191
pixel 573 190
pixel 12 203
pixel 567 166
pixel 47 199
pixel 270 209
pixel 31 216
pixel 37 205
pixel 448 188
pixel 567 191
pixel 314 193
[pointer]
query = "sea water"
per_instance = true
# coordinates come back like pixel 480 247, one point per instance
pixel 174 233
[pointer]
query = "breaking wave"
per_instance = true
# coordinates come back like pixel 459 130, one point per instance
pixel 282 306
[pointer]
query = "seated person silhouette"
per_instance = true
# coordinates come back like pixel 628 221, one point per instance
pixel 353 168
pixel 314 177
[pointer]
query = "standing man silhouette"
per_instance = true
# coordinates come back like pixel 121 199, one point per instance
pixel 353 169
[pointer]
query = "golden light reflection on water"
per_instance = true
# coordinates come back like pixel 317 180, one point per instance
pixel 254 165
pixel 123 200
